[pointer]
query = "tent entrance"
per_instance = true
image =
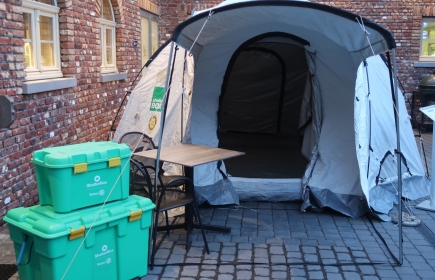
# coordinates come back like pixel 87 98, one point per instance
pixel 260 107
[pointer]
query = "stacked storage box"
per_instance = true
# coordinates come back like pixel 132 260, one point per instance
pixel 71 235
pixel 76 176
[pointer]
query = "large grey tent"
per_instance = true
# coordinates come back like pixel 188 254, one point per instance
pixel 301 88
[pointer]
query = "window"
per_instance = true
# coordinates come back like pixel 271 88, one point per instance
pixel 427 46
pixel 41 39
pixel 108 42
pixel 149 35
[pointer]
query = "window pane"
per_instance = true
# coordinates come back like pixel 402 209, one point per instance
pixel 154 36
pixel 48 2
pixel 46 27
pixel 28 45
pixel 47 54
pixel 109 47
pixel 46 36
pixel 107 10
pixel 428 38
pixel 144 39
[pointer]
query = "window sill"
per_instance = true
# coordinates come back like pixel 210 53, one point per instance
pixel 104 78
pixel 37 86
pixel 428 64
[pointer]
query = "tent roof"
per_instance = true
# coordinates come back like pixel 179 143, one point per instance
pixel 231 18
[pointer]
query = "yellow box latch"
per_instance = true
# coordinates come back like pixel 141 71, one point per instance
pixel 80 168
pixel 114 162
pixel 135 215
pixel 76 233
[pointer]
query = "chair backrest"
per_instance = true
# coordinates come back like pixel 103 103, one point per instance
pixel 137 141
pixel 140 176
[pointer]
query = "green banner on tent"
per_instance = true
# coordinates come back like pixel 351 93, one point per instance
pixel 156 101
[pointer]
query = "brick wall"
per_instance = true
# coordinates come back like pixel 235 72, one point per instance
pixel 73 115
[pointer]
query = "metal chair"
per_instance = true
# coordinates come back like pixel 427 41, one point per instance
pixel 169 196
pixel 138 141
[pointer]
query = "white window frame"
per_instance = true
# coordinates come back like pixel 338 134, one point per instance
pixel 37 9
pixel 425 57
pixel 108 25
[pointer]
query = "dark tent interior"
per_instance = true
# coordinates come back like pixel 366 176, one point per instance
pixel 260 108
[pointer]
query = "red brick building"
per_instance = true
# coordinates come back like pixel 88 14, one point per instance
pixel 67 73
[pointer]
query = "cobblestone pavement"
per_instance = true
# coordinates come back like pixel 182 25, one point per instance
pixel 278 241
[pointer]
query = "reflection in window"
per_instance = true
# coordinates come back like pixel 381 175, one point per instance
pixel 427 48
pixel 46 37
pixel 109 57
pixel 28 44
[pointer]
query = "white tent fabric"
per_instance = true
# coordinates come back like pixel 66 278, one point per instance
pixel 336 141
pixel 143 110
pixel 375 140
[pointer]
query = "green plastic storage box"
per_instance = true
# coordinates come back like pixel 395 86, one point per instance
pixel 81 175
pixel 64 246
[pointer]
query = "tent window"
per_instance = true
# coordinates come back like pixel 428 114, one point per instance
pixel 149 34
pixel 427 41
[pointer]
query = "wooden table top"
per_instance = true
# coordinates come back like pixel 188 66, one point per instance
pixel 190 154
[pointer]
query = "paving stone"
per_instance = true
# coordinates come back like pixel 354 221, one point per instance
pixel 276 259
pixel 351 275
pixel 309 249
pixel 311 258
pixel 191 271
pixel 146 277
pixel 225 277
pixel 276 250
pixel 309 242
pixel 405 270
pixel 367 270
pixel 208 273
pixel 279 275
pixel 171 272
pixel 244 274
pixel 297 272
pixel 227 258
pixel 334 276
pixel 315 275
pixel 257 240
pixel 386 273
pixel 244 267
pixel 331 269
pixel 343 257
pixel 244 255
pixel 340 249
pixel 176 259
pixel 371 278
pixel 226 269
pixel 261 260
pixel 245 246
pixel 260 252
pixel 261 271
pixel 425 273
pixel 326 254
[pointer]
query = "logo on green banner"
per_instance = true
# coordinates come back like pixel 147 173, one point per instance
pixel 156 101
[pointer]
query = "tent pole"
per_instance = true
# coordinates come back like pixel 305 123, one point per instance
pixel 399 159
pixel 162 117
